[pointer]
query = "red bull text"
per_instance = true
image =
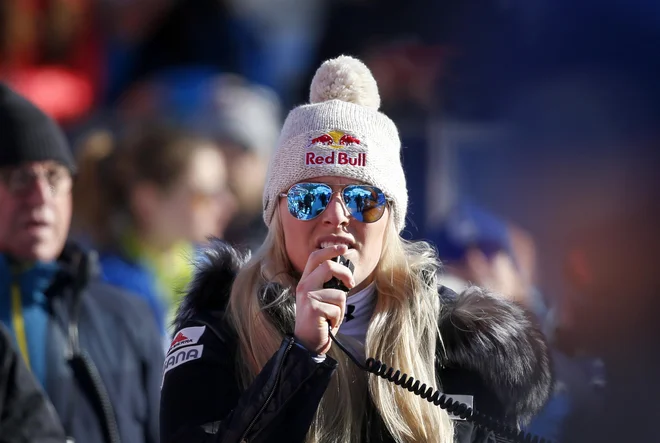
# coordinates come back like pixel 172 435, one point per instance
pixel 336 140
pixel 336 158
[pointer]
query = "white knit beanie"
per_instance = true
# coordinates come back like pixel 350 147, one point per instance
pixel 341 133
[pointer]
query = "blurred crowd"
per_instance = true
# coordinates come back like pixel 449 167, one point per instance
pixel 530 134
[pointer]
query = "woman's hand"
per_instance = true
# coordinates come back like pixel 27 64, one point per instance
pixel 315 306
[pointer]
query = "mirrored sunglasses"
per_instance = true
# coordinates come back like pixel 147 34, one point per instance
pixel 365 203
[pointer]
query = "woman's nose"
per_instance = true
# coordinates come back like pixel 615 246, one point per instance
pixel 336 213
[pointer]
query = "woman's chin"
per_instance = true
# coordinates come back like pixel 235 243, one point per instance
pixel 352 255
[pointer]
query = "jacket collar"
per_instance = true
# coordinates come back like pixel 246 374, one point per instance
pixel 34 277
pixel 73 266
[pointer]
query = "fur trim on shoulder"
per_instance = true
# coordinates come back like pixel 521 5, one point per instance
pixel 497 340
pixel 210 288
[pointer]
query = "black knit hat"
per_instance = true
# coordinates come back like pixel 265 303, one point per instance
pixel 27 134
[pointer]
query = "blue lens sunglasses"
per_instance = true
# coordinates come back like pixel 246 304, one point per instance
pixel 307 201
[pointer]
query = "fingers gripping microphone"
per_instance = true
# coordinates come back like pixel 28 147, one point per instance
pixel 334 282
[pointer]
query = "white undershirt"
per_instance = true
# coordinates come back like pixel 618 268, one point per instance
pixel 359 308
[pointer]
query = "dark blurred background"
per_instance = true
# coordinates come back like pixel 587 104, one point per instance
pixel 530 133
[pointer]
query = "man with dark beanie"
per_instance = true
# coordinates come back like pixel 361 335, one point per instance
pixel 95 350
pixel 33 146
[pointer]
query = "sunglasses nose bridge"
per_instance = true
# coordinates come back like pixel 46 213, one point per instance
pixel 339 196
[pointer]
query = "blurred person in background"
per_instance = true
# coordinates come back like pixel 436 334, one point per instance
pixel 614 306
pixel 478 247
pixel 146 201
pixel 26 414
pixel 94 349
pixel 245 121
pixel 242 118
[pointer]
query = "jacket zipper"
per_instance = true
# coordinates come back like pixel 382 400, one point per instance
pixel 270 394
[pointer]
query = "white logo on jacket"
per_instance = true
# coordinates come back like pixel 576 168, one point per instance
pixel 186 337
pixel 183 355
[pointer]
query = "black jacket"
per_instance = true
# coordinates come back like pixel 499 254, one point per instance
pixel 26 414
pixel 104 354
pixel 493 353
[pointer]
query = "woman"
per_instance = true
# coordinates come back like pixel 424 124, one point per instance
pixel 252 359
pixel 145 203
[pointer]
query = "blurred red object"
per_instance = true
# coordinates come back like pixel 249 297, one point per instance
pixel 50 53
pixel 63 94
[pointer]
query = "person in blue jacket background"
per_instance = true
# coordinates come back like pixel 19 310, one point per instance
pixel 94 349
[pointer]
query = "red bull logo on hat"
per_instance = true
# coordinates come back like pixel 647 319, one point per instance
pixel 335 140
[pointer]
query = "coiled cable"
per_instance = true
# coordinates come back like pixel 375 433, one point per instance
pixel 436 397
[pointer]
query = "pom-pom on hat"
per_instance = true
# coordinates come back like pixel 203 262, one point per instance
pixel 340 133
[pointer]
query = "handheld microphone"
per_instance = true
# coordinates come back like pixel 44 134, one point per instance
pixel 334 282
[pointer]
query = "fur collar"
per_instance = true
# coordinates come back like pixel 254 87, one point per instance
pixel 498 342
pixel 485 335
pixel 217 266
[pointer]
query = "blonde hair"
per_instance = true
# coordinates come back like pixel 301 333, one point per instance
pixel 403 332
